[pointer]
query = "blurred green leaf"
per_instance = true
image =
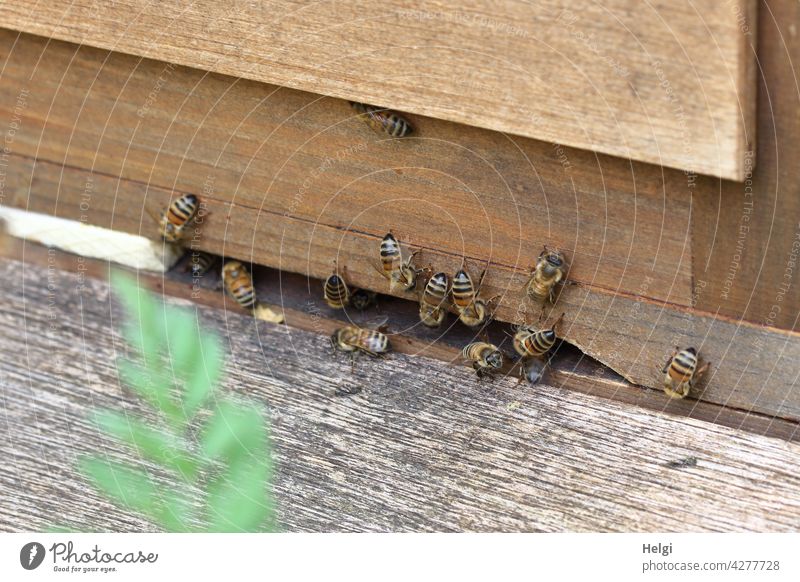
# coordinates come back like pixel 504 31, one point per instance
pixel 176 372
pixel 127 486
pixel 145 325
pixel 160 446
pixel 234 432
pixel 238 500
pixel 205 376
pixel 154 386
pixel 183 342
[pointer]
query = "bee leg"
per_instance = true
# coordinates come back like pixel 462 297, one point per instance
pixel 380 271
pixel 669 360
pixel 558 321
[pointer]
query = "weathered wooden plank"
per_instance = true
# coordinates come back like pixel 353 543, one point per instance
pixel 273 151
pixel 669 83
pixel 420 446
pixel 300 301
pixel 746 237
pixel 753 366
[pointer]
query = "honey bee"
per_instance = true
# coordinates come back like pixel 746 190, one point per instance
pixel 353 339
pixel 549 271
pixel 335 291
pixel 530 341
pixel 486 359
pixel 681 372
pixel 472 310
pixel 177 217
pixel 361 299
pixel 201 263
pixel 238 284
pixel 532 369
pixel 382 120
pixel 431 304
pixel 399 274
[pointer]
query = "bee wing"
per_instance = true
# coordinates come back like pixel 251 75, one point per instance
pixel 380 324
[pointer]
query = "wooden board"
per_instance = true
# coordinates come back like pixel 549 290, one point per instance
pixel 419 446
pixel 746 237
pixel 282 153
pixel 670 83
pixel 298 298
pixel 753 366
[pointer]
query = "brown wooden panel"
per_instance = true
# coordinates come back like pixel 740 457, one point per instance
pixel 746 237
pixel 665 82
pixel 454 189
pixel 754 367
pixel 415 446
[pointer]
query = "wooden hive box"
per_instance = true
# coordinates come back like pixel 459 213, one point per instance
pixel 598 130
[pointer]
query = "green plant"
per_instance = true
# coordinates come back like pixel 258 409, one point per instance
pixel 212 477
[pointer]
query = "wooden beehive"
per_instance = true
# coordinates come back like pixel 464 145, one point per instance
pixel 629 146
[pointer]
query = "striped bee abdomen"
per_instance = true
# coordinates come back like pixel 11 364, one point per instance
pixel 530 342
pixel 201 263
pixel 435 290
pixel 373 341
pixel 463 290
pixel 182 210
pixel 391 257
pixel 335 292
pixel 383 120
pixel 683 365
pixel 238 284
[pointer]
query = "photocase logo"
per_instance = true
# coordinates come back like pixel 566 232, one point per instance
pixel 31 555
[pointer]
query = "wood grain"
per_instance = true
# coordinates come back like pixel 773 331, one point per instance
pixel 753 366
pixel 670 83
pixel 418 446
pixel 746 237
pixel 284 153
pixel 299 299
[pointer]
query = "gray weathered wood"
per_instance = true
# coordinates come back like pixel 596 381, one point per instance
pixel 420 447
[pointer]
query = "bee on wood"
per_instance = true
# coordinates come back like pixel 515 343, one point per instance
pixel 530 341
pixel 400 274
pixel 485 358
pixel 681 371
pixel 361 299
pixel 550 269
pixel 382 120
pixel 431 305
pixel 532 369
pixel 353 339
pixel 177 217
pixel 239 284
pixel 472 310
pixel 201 263
pixel 335 291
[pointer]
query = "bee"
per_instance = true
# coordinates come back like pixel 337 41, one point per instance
pixel 549 271
pixel 382 120
pixel 238 284
pixel 353 339
pixel 361 299
pixel 177 217
pixel 530 341
pixel 532 369
pixel 335 291
pixel 486 359
pixel 472 310
pixel 201 263
pixel 399 274
pixel 431 304
pixel 681 371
